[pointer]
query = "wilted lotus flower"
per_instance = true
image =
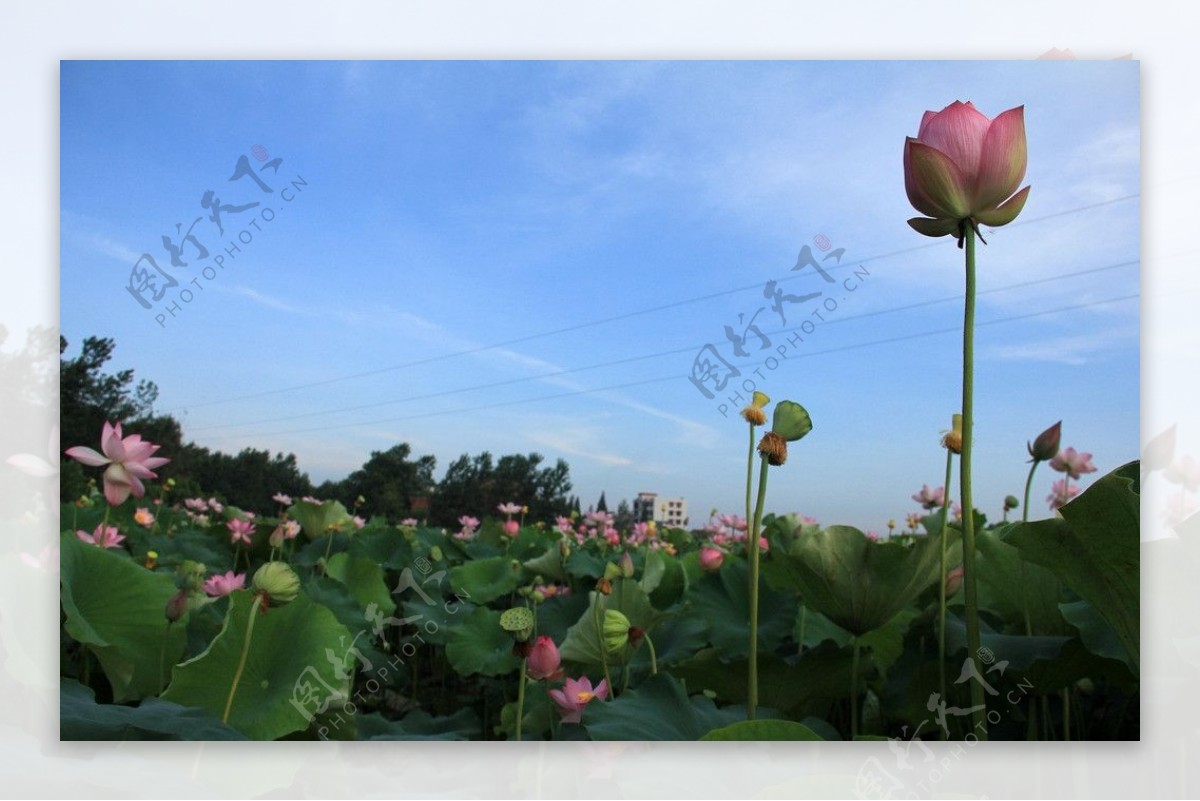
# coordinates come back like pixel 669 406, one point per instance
pixel 963 168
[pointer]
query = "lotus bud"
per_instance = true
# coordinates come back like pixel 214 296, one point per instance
pixel 616 631
pixel 773 448
pixel 954 581
pixel 626 565
pixel 435 553
pixel 1011 502
pixel 278 581
pixel 151 559
pixel 1045 447
pixel 177 606
pixel 711 559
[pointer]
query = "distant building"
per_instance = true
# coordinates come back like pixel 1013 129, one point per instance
pixel 672 512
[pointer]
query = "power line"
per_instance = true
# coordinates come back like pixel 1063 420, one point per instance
pixel 676 377
pixel 602 321
pixel 644 357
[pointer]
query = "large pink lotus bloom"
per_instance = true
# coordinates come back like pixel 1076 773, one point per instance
pixel 1060 493
pixel 129 460
pixel 575 695
pixel 1072 463
pixel 963 167
pixel 509 508
pixel 219 585
pixel 239 530
pixel 711 559
pixel 104 536
pixel 543 661
pixel 930 498
pixel 733 521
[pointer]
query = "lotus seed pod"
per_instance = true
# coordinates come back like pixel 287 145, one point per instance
pixel 278 581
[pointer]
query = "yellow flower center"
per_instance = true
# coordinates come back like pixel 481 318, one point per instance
pixel 584 696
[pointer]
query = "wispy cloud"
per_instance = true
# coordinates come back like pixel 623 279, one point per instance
pixel 1071 350
pixel 570 443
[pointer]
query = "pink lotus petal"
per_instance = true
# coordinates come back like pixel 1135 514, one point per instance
pixel 1003 159
pixel 936 186
pixel 957 131
pixel 87 456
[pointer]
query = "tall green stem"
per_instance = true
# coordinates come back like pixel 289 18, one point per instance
pixel 653 657
pixel 1032 730
pixel 521 701
pixel 752 536
pixel 942 591
pixel 598 618
pixel 237 676
pixel 979 716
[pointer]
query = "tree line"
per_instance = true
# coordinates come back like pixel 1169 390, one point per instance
pixel 392 483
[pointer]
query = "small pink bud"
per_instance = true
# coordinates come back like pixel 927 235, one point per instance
pixel 543 660
pixel 954 580
pixel 711 559
pixel 512 528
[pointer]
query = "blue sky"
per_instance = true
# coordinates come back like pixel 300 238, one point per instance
pixel 595 212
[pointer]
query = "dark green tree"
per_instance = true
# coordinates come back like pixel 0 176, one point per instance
pixel 388 482
pixel 476 486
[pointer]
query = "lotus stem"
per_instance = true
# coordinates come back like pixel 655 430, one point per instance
pixel 942 590
pixel 237 676
pixel 521 701
pixel 979 716
pixel 752 536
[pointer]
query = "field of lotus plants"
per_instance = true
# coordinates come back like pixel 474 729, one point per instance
pixel 185 618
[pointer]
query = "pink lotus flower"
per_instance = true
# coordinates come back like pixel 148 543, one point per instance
pixel 873 536
pixel 1060 493
pixel 215 505
pixel 509 508
pixel 930 498
pixel 711 559
pixel 359 522
pixel 290 529
pixel 1180 506
pixel 143 517
pixel 914 520
pixel 733 521
pixel 575 695
pixel 239 530
pixel 964 168
pixel 129 460
pixel 563 524
pixel 104 536
pixel 283 500
pixel 543 660
pixel 196 504
pixel 219 586
pixel 1072 463
pixel 512 528
pixel 409 522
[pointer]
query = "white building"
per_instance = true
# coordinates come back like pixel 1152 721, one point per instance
pixel 670 512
